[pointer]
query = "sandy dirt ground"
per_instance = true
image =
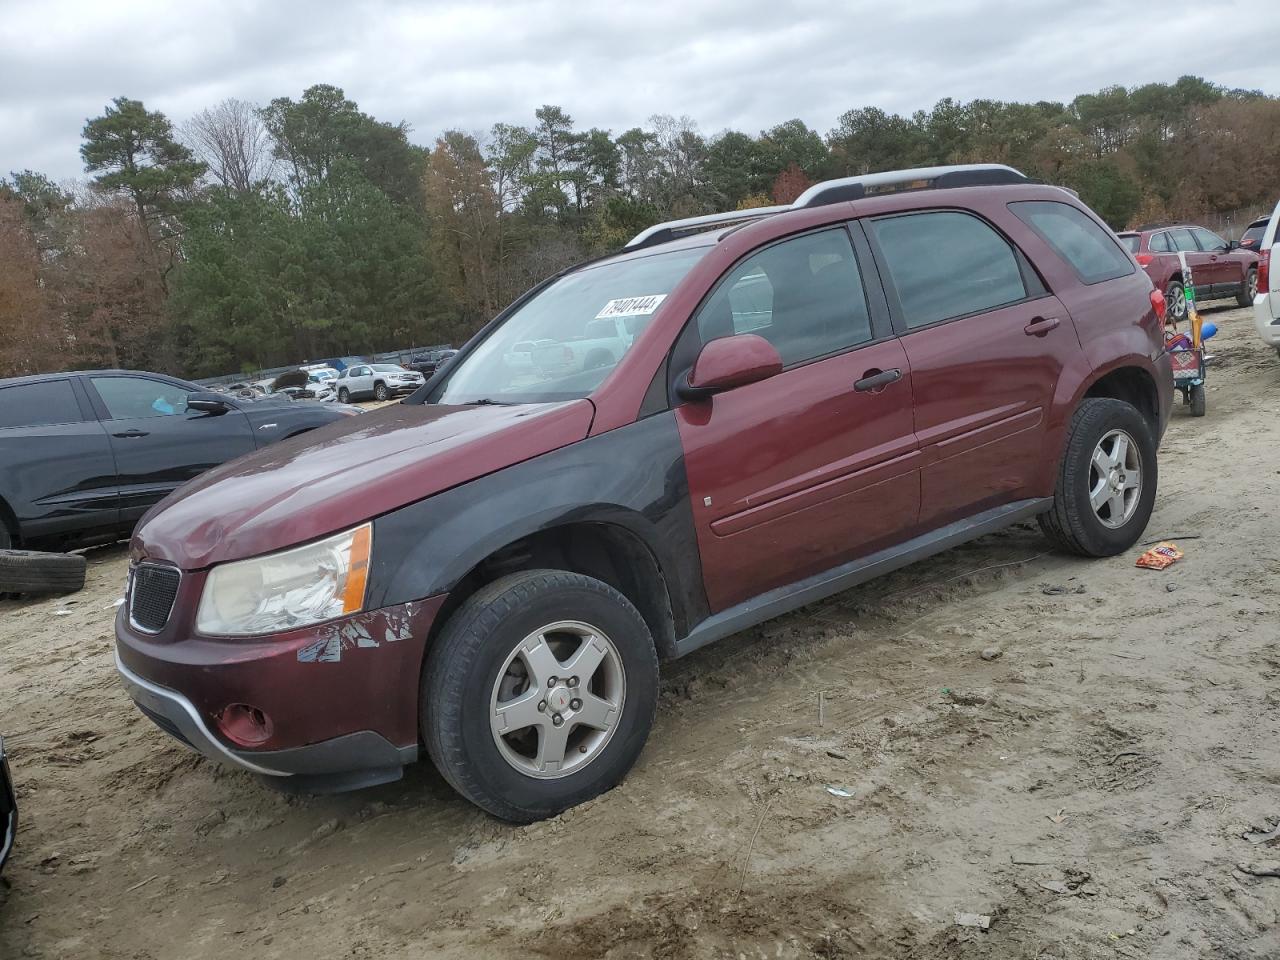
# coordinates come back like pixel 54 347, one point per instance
pixel 1089 790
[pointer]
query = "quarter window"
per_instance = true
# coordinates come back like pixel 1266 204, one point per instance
pixel 805 296
pixel 38 404
pixel 131 398
pixel 1086 247
pixel 946 264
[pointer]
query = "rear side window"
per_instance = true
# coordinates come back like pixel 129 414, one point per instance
pixel 39 404
pixel 1090 250
pixel 805 296
pixel 946 264
pixel 1255 232
pixel 1160 243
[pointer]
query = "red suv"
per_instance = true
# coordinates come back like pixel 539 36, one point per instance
pixel 811 396
pixel 1219 269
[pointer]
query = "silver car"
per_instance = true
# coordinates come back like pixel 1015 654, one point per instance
pixel 381 381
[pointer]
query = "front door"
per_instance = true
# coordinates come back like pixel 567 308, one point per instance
pixel 986 344
pixel 158 443
pixel 1203 270
pixel 1225 271
pixel 796 474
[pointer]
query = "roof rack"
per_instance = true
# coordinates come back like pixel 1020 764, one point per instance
pixel 841 191
pixel 665 232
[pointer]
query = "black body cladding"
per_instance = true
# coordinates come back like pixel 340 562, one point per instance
pixel 631 479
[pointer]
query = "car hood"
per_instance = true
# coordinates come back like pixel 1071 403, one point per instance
pixel 345 473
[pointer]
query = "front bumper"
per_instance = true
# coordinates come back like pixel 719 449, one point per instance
pixel 342 697
pixel 8 808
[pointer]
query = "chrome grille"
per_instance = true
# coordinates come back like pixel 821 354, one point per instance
pixel 151 599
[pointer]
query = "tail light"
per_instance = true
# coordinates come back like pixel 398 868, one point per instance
pixel 1264 272
pixel 1158 305
pixel 1145 258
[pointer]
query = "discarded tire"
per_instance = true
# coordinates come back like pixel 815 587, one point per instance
pixel 30 571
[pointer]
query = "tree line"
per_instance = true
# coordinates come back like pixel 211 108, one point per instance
pixel 251 236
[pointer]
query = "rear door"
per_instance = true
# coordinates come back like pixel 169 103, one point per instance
pixel 57 474
pixel 986 344
pixel 158 443
pixel 796 474
pixel 360 381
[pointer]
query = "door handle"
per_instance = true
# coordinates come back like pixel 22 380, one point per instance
pixel 875 379
pixel 132 434
pixel 1040 326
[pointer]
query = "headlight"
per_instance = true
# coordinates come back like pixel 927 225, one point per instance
pixel 286 590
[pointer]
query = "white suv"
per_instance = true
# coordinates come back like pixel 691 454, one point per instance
pixel 381 381
pixel 1266 305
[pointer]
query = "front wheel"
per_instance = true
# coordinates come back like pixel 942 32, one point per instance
pixel 539 693
pixel 1249 290
pixel 1106 482
pixel 380 392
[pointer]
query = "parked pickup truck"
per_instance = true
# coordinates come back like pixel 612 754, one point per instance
pixel 602 344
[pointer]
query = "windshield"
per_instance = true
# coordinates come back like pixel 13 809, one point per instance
pixel 562 343
pixel 1131 242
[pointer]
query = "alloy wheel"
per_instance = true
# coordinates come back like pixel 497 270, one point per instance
pixel 1115 479
pixel 557 700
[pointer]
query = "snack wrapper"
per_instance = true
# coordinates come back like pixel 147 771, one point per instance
pixel 1160 556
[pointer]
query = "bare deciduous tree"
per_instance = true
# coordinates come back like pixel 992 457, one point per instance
pixel 232 140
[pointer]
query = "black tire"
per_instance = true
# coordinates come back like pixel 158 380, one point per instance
pixel 380 391
pixel 463 666
pixel 29 571
pixel 1072 524
pixel 1245 298
pixel 1175 302
pixel 1197 400
pixel 343 395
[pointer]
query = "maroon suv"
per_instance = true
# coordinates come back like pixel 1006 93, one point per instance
pixel 1219 269
pixel 807 397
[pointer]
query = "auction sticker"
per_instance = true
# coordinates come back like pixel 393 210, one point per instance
pixel 631 306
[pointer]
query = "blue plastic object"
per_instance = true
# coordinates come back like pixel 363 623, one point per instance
pixel 1207 331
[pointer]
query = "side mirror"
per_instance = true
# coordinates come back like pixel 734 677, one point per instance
pixel 209 403
pixel 731 362
pixel 1232 245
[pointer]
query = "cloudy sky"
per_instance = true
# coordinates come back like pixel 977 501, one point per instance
pixel 746 64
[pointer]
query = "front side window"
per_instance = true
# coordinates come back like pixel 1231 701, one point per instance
pixel 554 346
pixel 1183 241
pixel 129 398
pixel 1086 247
pixel 805 296
pixel 1210 242
pixel 946 264
pixel 38 404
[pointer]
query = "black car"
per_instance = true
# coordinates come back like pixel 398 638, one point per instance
pixel 431 361
pixel 84 455
pixel 1251 239
pixel 8 808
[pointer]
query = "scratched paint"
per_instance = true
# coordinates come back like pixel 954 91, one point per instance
pixel 335 639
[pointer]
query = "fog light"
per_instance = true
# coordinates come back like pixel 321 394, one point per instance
pixel 245 725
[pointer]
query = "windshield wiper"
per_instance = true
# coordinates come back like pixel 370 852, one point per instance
pixel 487 402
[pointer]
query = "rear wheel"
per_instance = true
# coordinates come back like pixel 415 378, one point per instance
pixel 343 395
pixel 1175 299
pixel 539 693
pixel 1106 482
pixel 1250 289
pixel 380 391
